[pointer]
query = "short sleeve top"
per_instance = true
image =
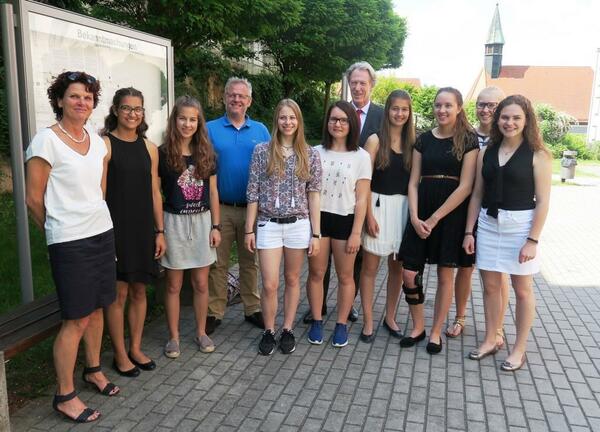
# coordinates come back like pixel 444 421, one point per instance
pixel 437 157
pixel 75 205
pixel 284 196
pixel 183 192
pixel 341 171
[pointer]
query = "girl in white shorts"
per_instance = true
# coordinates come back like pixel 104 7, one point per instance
pixel 387 211
pixel 284 195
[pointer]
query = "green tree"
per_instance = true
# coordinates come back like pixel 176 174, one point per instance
pixel 386 85
pixel 332 34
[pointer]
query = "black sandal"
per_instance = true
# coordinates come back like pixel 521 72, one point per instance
pixel 108 388
pixel 83 417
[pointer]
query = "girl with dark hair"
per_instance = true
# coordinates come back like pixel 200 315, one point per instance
pixel 345 187
pixel 510 203
pixel 66 169
pixel 135 204
pixel 284 193
pixel 441 179
pixel 187 171
pixel 387 208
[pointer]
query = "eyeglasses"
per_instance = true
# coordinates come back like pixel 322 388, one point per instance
pixel 74 76
pixel 343 120
pixel 489 105
pixel 138 110
pixel 237 96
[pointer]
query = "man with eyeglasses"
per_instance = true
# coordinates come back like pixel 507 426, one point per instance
pixel 234 136
pixel 361 80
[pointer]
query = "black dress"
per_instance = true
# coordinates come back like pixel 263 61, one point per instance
pixel 129 199
pixel 444 245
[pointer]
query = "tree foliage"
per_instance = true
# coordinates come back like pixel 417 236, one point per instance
pixel 332 34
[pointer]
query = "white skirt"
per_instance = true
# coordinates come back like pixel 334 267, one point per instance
pixel 391 216
pixel 188 242
pixel 499 242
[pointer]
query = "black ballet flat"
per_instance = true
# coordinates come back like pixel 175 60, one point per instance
pixel 148 366
pixel 408 341
pixel 433 348
pixel 391 331
pixel 131 373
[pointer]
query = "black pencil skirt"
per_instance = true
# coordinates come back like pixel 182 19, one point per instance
pixel 84 272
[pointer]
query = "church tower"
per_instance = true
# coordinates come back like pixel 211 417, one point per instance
pixel 493 47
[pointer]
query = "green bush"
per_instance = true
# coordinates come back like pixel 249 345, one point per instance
pixel 554 125
pixel 578 143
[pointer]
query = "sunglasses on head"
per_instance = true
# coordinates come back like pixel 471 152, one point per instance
pixel 74 76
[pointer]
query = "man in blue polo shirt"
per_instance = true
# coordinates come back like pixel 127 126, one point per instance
pixel 234 137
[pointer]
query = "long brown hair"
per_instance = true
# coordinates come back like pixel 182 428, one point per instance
pixel 276 162
pixel 463 131
pixel 407 134
pixel 531 132
pixel 203 154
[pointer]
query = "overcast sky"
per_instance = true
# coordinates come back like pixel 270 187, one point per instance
pixel 445 45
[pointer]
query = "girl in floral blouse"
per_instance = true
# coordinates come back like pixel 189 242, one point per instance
pixel 284 195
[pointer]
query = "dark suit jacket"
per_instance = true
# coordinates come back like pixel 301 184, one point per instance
pixel 372 123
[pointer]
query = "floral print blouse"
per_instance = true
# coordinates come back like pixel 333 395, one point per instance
pixel 281 196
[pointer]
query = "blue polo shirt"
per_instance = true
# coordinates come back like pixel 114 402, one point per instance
pixel 234 149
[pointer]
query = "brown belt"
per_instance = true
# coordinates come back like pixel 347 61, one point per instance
pixel 440 176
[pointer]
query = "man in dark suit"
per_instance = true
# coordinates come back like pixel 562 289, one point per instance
pixel 361 80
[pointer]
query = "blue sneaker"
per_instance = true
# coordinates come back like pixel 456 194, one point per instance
pixel 315 334
pixel 340 336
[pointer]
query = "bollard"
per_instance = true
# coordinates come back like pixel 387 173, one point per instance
pixel 567 165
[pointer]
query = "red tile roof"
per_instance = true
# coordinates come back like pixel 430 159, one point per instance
pixel 566 88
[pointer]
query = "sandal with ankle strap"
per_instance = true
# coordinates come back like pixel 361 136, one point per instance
pixel 500 332
pixel 458 321
pixel 109 388
pixel 83 417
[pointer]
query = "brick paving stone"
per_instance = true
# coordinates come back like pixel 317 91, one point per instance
pixel 381 386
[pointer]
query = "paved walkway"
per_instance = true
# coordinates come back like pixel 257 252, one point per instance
pixel 380 386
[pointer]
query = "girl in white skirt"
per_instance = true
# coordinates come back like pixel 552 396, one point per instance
pixel 387 210
pixel 187 170
pixel 510 201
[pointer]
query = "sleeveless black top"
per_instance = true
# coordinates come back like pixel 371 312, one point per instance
pixel 129 199
pixel 392 180
pixel 511 186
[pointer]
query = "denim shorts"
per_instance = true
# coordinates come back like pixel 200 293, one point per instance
pixel 272 235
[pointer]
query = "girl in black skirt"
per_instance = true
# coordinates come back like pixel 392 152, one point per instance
pixel 441 179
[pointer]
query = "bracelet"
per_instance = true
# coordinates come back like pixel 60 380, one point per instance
pixel 468 233
pixel 532 240
pixel 248 233
pixel 162 231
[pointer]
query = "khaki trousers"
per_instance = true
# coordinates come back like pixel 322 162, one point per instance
pixel 233 220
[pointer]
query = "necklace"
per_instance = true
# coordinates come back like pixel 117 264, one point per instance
pixel 506 153
pixel 71 136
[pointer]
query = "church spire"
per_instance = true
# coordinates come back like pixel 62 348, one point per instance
pixel 493 46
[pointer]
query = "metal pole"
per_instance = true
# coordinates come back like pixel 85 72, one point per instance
pixel 16 150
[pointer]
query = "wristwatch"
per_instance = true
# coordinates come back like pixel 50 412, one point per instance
pixel 316 235
pixel 218 227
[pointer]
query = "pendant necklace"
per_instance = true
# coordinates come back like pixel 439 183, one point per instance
pixel 71 136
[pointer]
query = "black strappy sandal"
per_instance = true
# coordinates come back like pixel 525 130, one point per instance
pixel 83 417
pixel 108 388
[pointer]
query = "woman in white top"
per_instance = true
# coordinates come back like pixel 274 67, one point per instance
pixel 66 177
pixel 346 179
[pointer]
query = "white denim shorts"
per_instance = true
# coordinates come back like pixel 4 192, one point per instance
pixel 272 235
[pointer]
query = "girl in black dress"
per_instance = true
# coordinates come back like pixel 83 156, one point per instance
pixel 441 178
pixel 135 204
